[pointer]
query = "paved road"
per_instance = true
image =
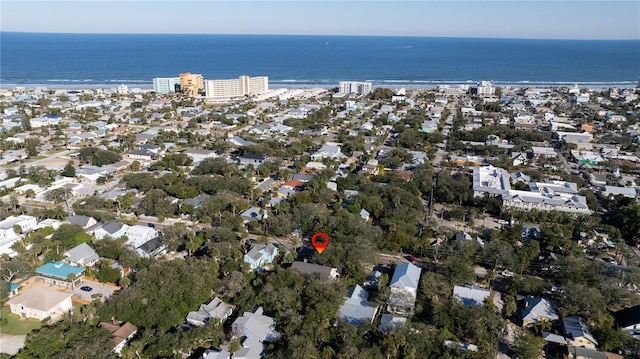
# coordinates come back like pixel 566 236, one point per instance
pixel 10 344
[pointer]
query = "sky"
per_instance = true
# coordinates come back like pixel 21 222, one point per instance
pixel 540 19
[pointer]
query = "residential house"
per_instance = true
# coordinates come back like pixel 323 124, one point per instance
pixel 25 222
pixel 584 353
pixel 251 349
pixel 60 274
pixel 40 303
pixel 252 159
pixel 390 322
pixel 260 255
pixel 113 229
pixel 53 223
pixel 81 255
pixel 536 310
pixel 265 185
pixel 196 202
pixel 215 354
pixel 199 155
pixel 404 288
pixel 13 289
pixel 253 213
pixel 144 155
pixel 138 235
pixel 84 221
pixel 577 333
pixel 629 320
pixel 152 248
pixel 239 142
pixel 256 325
pixel 215 309
pixel 316 270
pixel 329 150
pixel 8 235
pixel 471 296
pixel 120 335
pixel 519 159
pixel 612 191
pixel 356 308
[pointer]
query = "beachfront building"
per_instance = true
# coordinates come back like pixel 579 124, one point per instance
pixel 236 88
pixel 165 85
pixel 486 88
pixel 191 84
pixel 355 87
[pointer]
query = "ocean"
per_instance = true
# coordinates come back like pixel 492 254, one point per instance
pixel 92 60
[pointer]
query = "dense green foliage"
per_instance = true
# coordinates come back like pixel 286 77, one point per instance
pixel 98 157
pixel 82 340
pixel 164 293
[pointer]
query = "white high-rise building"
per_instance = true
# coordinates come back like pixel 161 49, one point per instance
pixel 165 85
pixel 232 88
pixel 122 89
pixel 485 88
pixel 355 87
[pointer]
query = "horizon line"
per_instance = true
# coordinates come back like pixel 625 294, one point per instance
pixel 319 35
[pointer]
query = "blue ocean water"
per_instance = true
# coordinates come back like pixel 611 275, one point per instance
pixel 92 59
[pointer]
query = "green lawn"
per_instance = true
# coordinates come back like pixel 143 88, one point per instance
pixel 15 325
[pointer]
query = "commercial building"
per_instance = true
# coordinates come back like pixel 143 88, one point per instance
pixel 165 85
pixel 234 88
pixel 355 87
pixel 191 84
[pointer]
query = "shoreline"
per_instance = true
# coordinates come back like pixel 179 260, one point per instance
pixel 421 85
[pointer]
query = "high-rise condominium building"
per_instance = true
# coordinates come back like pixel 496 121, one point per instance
pixel 165 85
pixel 191 84
pixel 232 88
pixel 355 87
pixel 486 88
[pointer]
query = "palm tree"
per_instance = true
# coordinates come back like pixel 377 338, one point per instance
pixel 542 324
pixel 328 353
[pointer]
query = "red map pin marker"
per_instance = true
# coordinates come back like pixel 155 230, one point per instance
pixel 322 244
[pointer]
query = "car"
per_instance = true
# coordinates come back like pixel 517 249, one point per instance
pixel 507 273
pixel 411 258
pixel 86 288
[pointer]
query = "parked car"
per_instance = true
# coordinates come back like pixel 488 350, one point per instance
pixel 411 258
pixel 507 273
pixel 86 288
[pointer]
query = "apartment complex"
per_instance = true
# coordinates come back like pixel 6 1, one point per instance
pixel 165 85
pixel 191 84
pixel 354 87
pixel 544 196
pixel 234 88
pixel 486 88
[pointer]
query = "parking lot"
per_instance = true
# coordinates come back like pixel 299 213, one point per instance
pixel 98 290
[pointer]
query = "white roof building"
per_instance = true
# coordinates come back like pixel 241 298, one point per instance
pixel 356 308
pixel 404 288
pixel 537 309
pixel 471 296
pixel 40 303
pixel 490 180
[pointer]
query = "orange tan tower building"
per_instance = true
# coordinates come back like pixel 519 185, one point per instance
pixel 191 84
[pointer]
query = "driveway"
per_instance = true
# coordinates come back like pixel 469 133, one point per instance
pixel 10 344
pixel 98 290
